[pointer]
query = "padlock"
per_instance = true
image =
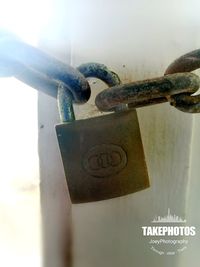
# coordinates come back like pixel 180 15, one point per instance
pixel 103 156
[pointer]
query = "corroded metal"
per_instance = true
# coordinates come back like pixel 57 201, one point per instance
pixel 101 72
pixel 185 63
pixel 186 102
pixel 148 102
pixel 147 92
pixel 65 104
pixel 99 165
pixel 14 53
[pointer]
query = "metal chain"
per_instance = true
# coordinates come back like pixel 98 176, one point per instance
pixel 100 71
pixel 150 92
pixel 147 92
pixel 35 67
pixel 188 62
pixel 55 78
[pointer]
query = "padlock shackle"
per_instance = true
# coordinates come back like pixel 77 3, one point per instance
pixel 65 104
pixel 89 70
pixel 101 72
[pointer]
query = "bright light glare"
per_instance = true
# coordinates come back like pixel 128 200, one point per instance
pixel 19 174
pixel 25 18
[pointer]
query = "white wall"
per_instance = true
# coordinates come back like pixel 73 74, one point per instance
pixel 55 202
pixel 19 176
pixel 137 39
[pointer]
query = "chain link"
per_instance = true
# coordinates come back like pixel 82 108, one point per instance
pixel 188 62
pixel 147 92
pixel 25 61
pixel 139 94
pixel 99 71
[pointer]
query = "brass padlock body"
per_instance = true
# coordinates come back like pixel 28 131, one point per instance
pixel 103 157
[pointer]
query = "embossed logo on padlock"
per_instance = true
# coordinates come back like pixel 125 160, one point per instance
pixel 104 160
pixel 103 157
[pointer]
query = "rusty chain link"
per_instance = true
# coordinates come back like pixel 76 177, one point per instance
pixel 153 91
pixel 147 92
pixel 188 62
